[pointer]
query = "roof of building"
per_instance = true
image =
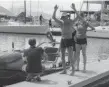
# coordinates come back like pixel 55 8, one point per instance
pixel 4 11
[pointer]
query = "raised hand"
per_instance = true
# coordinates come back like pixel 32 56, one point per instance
pixel 55 7
pixel 73 6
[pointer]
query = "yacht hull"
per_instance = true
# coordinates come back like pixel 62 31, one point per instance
pixel 25 29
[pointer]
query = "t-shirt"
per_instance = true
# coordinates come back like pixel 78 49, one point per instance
pixel 34 55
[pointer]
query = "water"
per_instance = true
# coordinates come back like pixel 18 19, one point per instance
pixel 20 41
pixel 96 48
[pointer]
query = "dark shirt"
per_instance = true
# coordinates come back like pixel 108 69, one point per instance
pixel 40 18
pixel 34 55
pixel 50 22
pixel 73 34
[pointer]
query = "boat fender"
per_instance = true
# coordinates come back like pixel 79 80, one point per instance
pixel 11 60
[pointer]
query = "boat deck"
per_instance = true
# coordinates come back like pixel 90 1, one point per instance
pixel 95 71
pixel 25 29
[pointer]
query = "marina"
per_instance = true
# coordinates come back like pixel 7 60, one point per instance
pixel 17 30
pixel 94 55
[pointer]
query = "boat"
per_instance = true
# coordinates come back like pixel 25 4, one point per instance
pixel 24 29
pixel 14 26
pixel 104 13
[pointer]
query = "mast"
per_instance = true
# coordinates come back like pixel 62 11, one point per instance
pixel 102 6
pixel 12 5
pixel 25 11
pixel 30 8
pixel 38 8
pixel 87 9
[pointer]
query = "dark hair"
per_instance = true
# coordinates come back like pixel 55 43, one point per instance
pixel 65 16
pixel 82 14
pixel 32 42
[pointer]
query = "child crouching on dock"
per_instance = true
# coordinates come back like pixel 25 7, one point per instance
pixel 33 56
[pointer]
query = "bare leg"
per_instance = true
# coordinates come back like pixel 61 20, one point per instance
pixel 63 60
pixel 71 58
pixel 84 56
pixel 69 62
pixel 74 55
pixel 78 48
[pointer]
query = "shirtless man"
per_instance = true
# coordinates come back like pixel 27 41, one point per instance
pixel 66 38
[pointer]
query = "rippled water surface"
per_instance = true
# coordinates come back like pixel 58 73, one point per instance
pixel 96 48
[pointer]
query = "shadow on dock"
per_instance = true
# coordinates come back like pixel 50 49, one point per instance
pixel 46 82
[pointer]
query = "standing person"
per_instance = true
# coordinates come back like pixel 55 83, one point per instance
pixel 40 19
pixel 50 23
pixel 66 38
pixel 81 38
pixel 33 57
pixel 12 46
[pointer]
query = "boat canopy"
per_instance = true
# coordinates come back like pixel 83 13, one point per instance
pixel 97 1
pixel 85 12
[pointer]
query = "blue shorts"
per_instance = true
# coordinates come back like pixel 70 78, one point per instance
pixel 65 43
pixel 81 41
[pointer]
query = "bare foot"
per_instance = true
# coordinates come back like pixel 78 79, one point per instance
pixel 64 72
pixel 32 80
pixel 72 74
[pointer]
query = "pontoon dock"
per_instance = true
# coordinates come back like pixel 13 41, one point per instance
pixel 95 71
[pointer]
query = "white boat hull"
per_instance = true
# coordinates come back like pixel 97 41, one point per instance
pixel 97 33
pixel 102 28
pixel 25 29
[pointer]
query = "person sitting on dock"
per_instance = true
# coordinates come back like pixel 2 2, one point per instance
pixel 33 56
pixel 66 40
pixel 81 38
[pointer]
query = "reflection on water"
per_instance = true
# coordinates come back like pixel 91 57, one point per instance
pixel 20 40
pixel 96 48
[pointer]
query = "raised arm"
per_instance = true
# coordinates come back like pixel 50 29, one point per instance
pixel 78 16
pixel 54 14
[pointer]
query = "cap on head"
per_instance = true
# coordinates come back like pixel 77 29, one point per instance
pixel 64 14
pixel 32 42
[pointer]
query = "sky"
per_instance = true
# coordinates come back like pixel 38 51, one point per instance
pixel 46 6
